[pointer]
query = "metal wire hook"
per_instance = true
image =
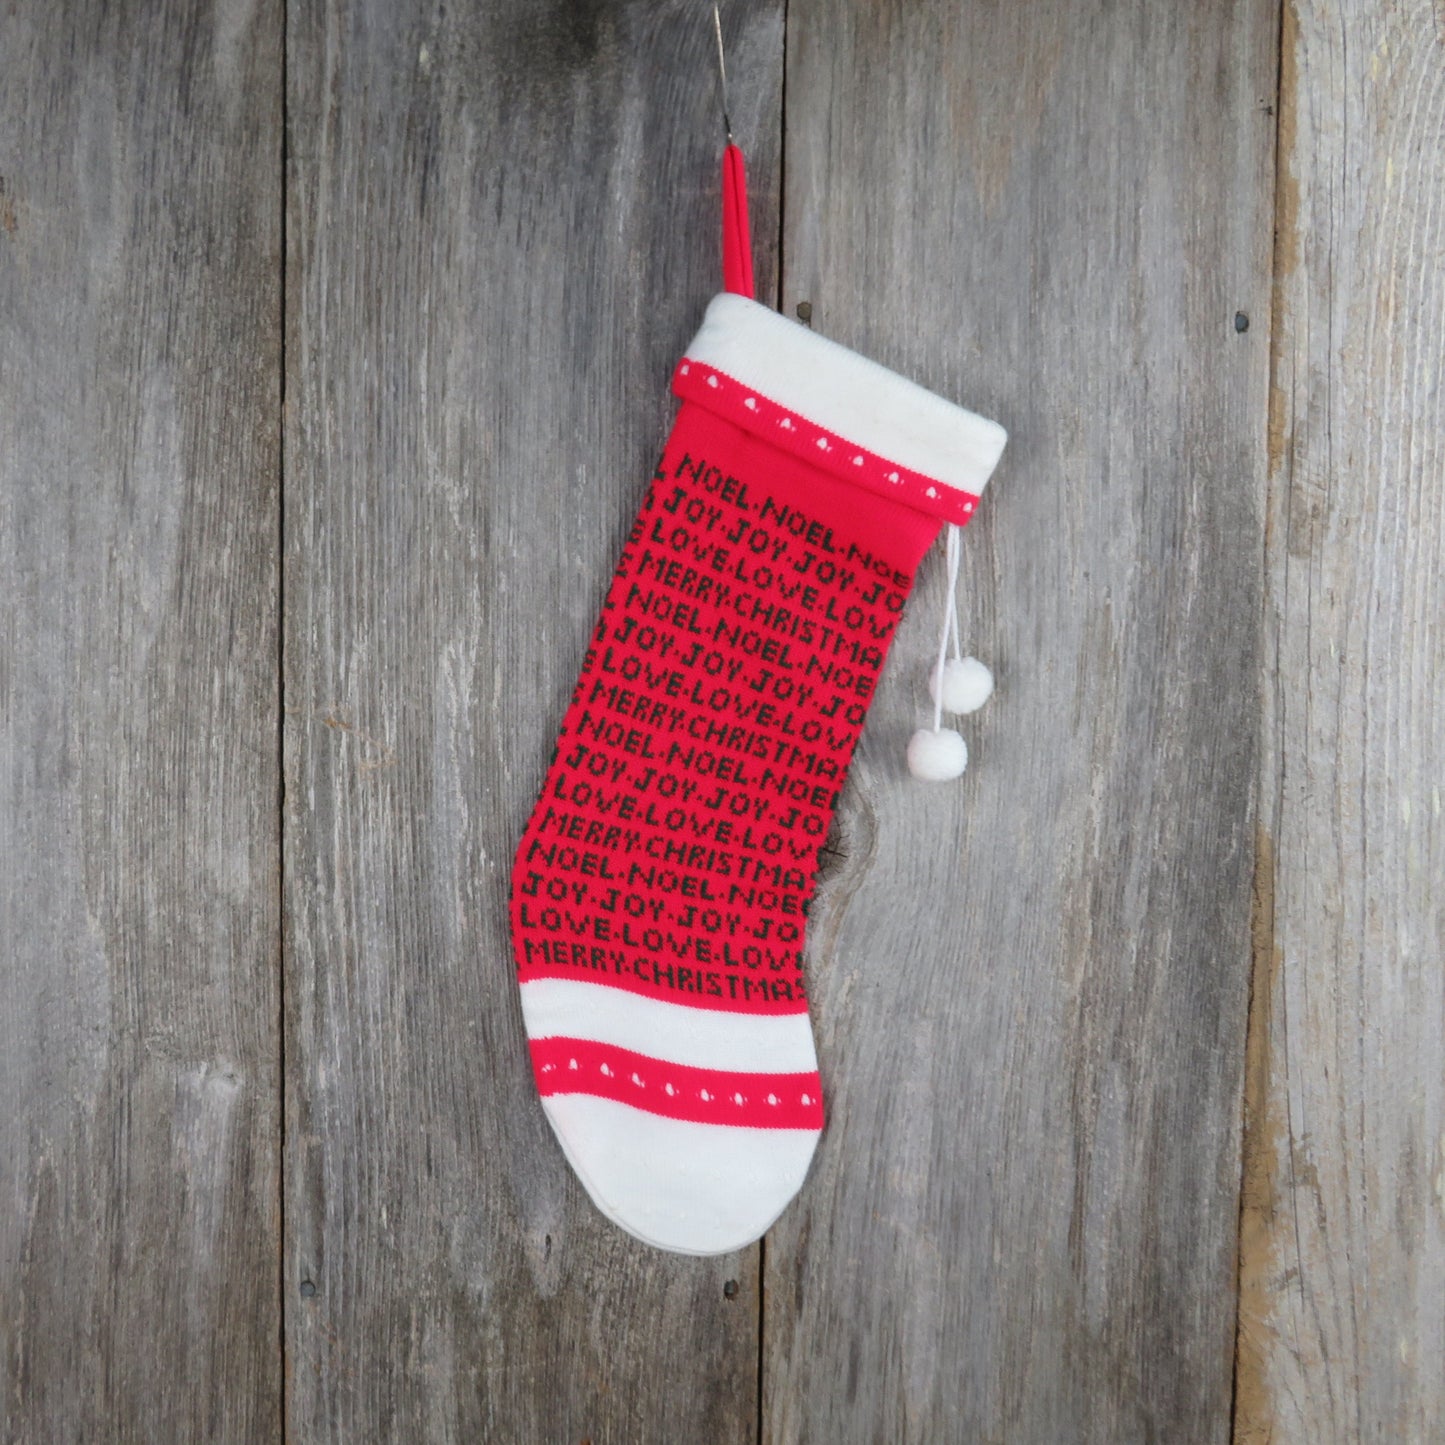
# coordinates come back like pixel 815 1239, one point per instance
pixel 722 71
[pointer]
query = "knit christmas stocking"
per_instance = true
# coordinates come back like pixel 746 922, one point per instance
pixel 661 886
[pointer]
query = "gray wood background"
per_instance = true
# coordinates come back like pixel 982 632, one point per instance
pixel 334 346
pixel 140 960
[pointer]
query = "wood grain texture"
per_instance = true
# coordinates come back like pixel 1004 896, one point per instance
pixel 503 227
pixel 1030 988
pixel 1343 1261
pixel 140 222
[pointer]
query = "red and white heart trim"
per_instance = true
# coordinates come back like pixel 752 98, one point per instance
pixel 792 432
pixel 677 1091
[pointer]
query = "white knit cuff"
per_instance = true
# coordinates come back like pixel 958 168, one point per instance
pixel 847 395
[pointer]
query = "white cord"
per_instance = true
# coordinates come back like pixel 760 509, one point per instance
pixel 956 543
pixel 950 624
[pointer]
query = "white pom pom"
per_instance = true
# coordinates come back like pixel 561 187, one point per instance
pixel 967 685
pixel 937 756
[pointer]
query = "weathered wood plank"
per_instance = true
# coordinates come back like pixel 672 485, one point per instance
pixel 1343 1258
pixel 504 225
pixel 1030 988
pixel 140 267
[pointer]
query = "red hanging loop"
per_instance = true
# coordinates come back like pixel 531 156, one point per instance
pixel 737 239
